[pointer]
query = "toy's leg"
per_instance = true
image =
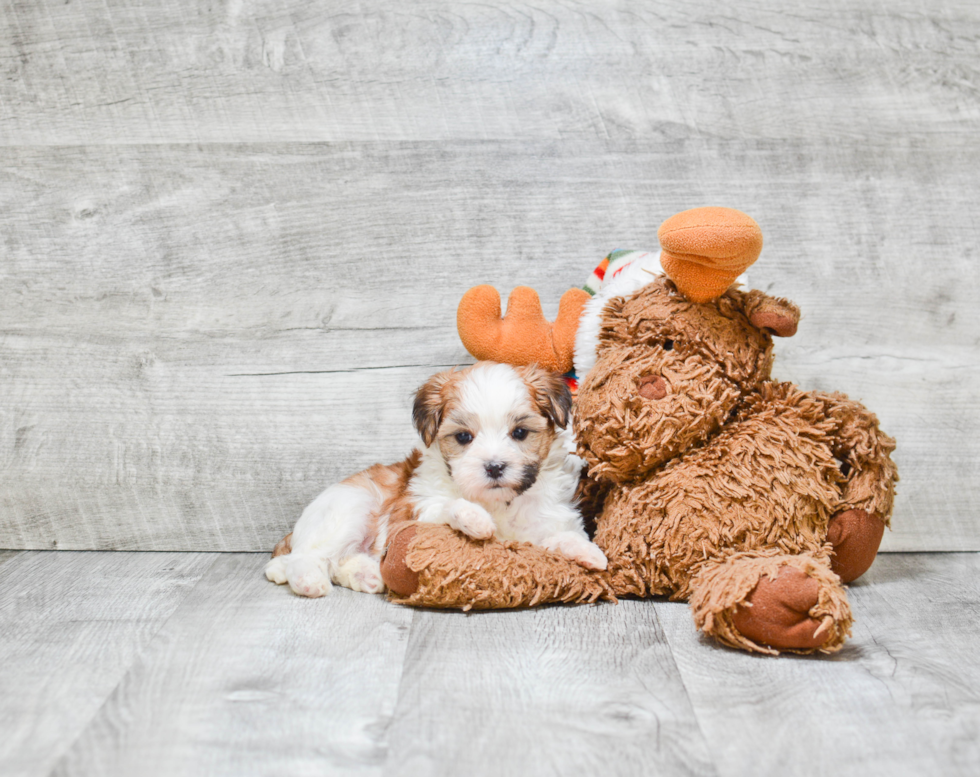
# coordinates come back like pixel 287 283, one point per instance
pixel 771 603
pixel 856 529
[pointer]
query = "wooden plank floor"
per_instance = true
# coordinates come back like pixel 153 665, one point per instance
pixel 193 664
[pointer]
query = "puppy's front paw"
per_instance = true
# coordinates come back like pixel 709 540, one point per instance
pixel 471 519
pixel 577 548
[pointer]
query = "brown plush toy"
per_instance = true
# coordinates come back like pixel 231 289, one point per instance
pixel 752 499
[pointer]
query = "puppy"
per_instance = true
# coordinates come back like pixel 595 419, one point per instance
pixel 496 461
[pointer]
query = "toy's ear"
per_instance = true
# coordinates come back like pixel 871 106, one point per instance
pixel 430 405
pixel 775 315
pixel 524 336
pixel 550 393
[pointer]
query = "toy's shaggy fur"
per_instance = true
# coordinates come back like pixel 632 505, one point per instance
pixel 495 574
pixel 711 483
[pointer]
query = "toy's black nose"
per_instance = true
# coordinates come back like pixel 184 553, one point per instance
pixel 494 469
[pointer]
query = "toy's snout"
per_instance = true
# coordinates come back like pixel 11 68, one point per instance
pixel 652 387
pixel 639 407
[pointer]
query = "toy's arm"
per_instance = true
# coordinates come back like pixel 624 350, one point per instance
pixel 865 455
pixel 864 451
pixel 430 565
pixel 523 336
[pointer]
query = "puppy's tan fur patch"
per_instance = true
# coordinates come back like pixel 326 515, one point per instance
pixel 432 401
pixel 391 481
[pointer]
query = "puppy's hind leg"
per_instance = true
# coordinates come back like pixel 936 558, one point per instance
pixel 331 528
pixel 307 574
pixel 275 570
pixel 360 572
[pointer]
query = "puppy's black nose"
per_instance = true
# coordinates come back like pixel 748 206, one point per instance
pixel 494 469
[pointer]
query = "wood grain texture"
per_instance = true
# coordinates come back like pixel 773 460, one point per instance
pixel 215 462
pixel 269 70
pixel 556 690
pixel 207 313
pixel 71 624
pixel 120 664
pixel 196 341
pixel 247 678
pixel 901 698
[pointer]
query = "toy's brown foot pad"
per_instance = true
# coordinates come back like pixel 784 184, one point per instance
pixel 284 546
pixel 395 572
pixel 779 615
pixel 855 535
pixel 770 603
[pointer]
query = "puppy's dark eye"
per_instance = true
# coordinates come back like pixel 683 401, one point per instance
pixel 464 438
pixel 668 345
pixel 520 433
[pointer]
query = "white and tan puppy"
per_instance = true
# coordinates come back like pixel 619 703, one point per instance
pixel 496 461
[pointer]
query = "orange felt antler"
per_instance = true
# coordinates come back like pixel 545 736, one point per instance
pixel 524 336
pixel 706 249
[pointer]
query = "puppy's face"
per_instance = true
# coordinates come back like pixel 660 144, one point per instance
pixel 494 425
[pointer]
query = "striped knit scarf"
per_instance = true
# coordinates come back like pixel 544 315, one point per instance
pixel 612 265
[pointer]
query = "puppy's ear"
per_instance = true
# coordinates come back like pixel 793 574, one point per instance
pixel 430 404
pixel 550 393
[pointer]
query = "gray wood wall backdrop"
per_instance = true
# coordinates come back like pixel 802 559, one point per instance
pixel 234 234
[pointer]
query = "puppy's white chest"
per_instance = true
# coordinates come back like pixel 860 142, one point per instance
pixel 509 525
pixel 516 521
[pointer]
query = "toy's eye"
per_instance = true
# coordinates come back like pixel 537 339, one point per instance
pixel 464 438
pixel 520 433
pixel 668 345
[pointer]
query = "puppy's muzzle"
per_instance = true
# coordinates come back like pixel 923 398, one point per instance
pixel 494 469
